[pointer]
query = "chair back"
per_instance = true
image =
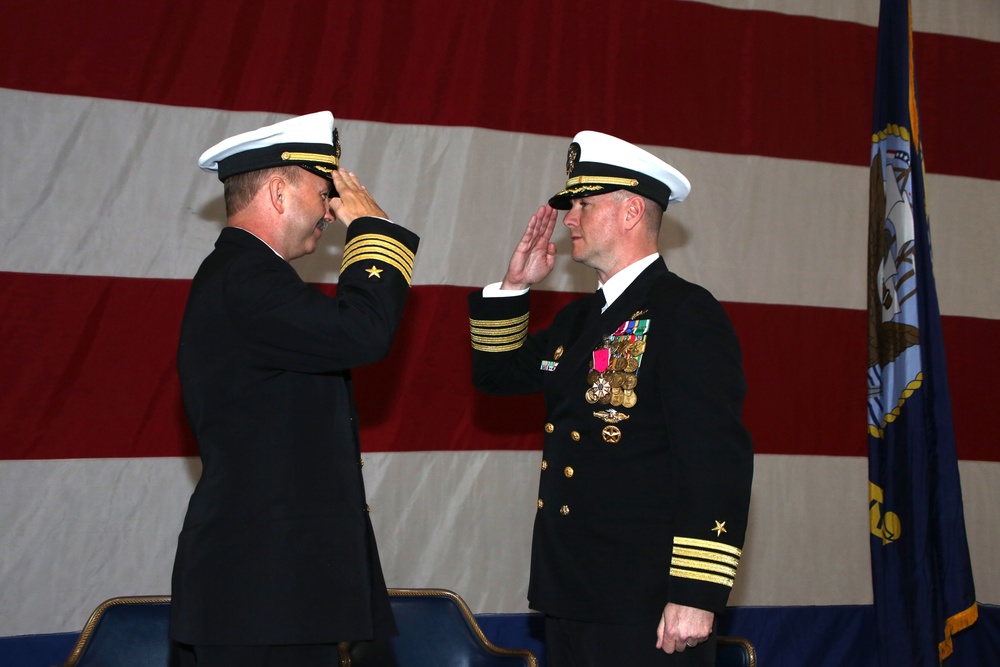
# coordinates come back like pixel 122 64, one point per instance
pixel 734 652
pixel 436 628
pixel 125 631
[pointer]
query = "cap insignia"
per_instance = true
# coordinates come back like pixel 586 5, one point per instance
pixel 571 157
pixel 336 145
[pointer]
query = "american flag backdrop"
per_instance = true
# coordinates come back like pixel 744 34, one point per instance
pixel 457 116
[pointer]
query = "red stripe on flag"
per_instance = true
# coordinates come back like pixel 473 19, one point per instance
pixel 88 372
pixel 681 74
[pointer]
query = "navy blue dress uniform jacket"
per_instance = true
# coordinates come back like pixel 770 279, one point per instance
pixel 277 546
pixel 638 506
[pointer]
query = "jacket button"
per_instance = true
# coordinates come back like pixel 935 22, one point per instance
pixel 540 504
pixel 568 471
pixel 361 463
pixel 575 435
pixel 368 508
pixel 549 428
pixel 545 464
pixel 564 510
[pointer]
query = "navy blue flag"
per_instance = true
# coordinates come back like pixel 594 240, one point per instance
pixel 921 573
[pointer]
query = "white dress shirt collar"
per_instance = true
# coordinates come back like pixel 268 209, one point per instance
pixel 619 282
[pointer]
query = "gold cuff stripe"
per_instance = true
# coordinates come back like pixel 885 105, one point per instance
pixel 498 323
pixel 515 326
pixel 379 247
pixel 701 565
pixel 403 269
pixel 500 339
pixel 701 576
pixel 369 252
pixel 380 241
pixel 499 335
pixel 486 334
pixel 706 555
pixel 601 180
pixel 707 544
pixel 310 157
pixel 498 348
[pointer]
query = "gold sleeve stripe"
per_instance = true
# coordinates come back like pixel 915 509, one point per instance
pixel 499 331
pixel 601 180
pixel 701 576
pixel 498 348
pixel 504 336
pixel 498 339
pixel 380 240
pixel 499 335
pixel 512 333
pixel 706 555
pixel 381 248
pixel 389 251
pixel 707 544
pixel 391 261
pixel 498 323
pixel 701 565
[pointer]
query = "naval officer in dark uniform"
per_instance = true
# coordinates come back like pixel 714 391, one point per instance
pixel 277 561
pixel 646 467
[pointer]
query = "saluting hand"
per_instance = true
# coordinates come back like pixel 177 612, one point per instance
pixel 535 254
pixel 353 200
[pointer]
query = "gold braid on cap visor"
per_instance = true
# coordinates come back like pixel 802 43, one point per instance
pixel 312 157
pixel 601 180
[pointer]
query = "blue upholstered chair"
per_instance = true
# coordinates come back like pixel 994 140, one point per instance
pixel 125 631
pixel 735 652
pixel 436 628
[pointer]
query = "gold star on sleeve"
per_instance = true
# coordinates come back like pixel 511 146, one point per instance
pixel 374 272
pixel 720 528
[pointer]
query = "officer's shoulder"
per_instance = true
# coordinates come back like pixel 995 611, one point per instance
pixel 671 291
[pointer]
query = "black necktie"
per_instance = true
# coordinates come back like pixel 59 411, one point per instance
pixel 598 302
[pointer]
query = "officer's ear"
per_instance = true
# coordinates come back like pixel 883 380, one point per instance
pixel 635 208
pixel 277 188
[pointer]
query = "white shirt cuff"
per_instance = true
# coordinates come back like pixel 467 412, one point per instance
pixel 493 290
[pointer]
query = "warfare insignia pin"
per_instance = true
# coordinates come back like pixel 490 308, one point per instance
pixel 611 434
pixel 611 416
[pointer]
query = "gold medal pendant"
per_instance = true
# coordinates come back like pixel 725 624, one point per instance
pixel 629 398
pixel 616 396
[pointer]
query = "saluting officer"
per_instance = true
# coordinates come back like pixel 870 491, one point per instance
pixel 277 561
pixel 646 467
